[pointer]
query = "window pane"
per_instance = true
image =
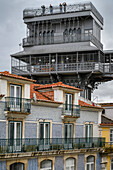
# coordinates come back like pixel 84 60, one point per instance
pixel 46 130
pixel 18 132
pixel 17 166
pixel 65 131
pixel 12 91
pixel 11 130
pixel 92 166
pixel 47 164
pixel 70 164
pixel 90 159
pixel 41 133
pixel 17 91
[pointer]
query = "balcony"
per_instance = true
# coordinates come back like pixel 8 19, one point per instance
pixel 70 111
pixel 58 68
pixel 34 145
pixel 74 38
pixel 14 104
pixel 85 6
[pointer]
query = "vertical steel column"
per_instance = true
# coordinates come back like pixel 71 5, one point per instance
pixel 49 63
pixel 56 62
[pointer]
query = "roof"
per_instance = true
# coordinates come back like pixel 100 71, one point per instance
pixel 7 74
pixel 59 84
pixel 45 96
pixel 84 104
pixel 105 121
pixel 54 48
pixel 106 104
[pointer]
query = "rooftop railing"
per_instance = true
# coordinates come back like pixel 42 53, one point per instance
pixel 17 104
pixel 46 40
pixel 57 68
pixel 86 6
pixel 71 110
pixel 47 144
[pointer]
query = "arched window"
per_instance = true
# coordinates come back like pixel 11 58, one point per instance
pixel 70 34
pixel 70 164
pixel 74 34
pixel 46 165
pixel 90 163
pixel 40 37
pixel 79 33
pixel 111 164
pixel 44 37
pixel 17 166
pixel 52 36
pixel 48 37
pixel 65 35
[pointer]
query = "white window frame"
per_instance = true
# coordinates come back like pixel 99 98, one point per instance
pixel 47 168
pixel 90 163
pixel 68 103
pixel 15 90
pixel 70 166
pixel 88 136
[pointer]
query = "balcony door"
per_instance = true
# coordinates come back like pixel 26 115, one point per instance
pixel 68 135
pixel 15 136
pixel 15 97
pixel 68 103
pixel 44 136
pixel 88 135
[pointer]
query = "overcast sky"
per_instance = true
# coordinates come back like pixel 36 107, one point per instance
pixel 12 30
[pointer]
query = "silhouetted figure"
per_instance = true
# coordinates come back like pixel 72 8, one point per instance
pixel 43 9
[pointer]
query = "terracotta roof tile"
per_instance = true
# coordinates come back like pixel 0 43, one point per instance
pixel 59 84
pixel 82 103
pixel 7 74
pixel 106 124
pixel 45 96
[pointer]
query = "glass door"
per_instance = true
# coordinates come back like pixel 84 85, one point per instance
pixel 15 135
pixel 15 97
pixel 89 134
pixel 68 135
pixel 44 135
pixel 68 104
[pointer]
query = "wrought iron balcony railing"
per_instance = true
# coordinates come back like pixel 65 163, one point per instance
pixel 34 144
pixel 66 67
pixel 45 40
pixel 17 104
pixel 71 110
pixel 85 6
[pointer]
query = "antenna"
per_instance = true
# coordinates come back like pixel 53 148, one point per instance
pixel 34 96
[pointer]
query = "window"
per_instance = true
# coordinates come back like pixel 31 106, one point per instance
pixel 111 135
pixel 15 135
pixel 46 165
pixel 88 32
pixel 15 97
pixel 90 163
pixel 88 130
pixel 70 164
pixel 68 130
pixel 17 166
pixel 68 103
pixel 44 135
pixel 15 91
pixel 111 164
pixel 44 130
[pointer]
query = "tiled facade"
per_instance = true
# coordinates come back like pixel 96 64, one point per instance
pixel 51 134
